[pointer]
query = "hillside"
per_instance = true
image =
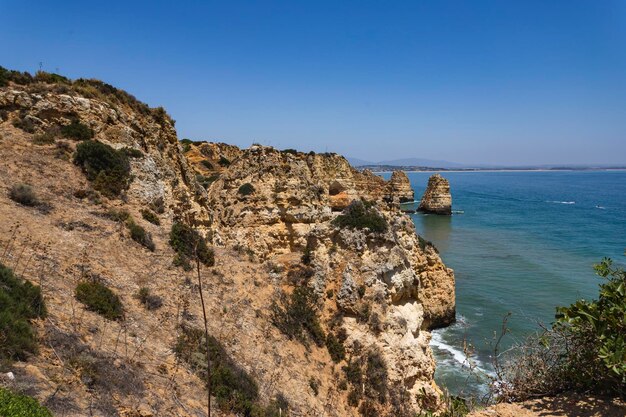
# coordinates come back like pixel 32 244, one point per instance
pixel 316 304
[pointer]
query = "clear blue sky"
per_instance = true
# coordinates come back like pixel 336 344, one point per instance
pixel 504 82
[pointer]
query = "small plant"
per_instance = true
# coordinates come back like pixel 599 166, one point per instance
pixel 361 215
pixel 233 388
pixel 77 131
pixel 206 181
pixel 150 301
pixel 107 168
pixel 20 302
pixel 335 348
pixel 140 235
pixel 290 151
pixel 150 216
pixel 315 386
pixel 296 316
pixel 132 152
pixel 24 124
pixel 17 405
pixel 116 215
pixel 246 189
pixel 207 164
pixel 48 137
pixel 189 245
pixel 24 194
pixel 98 298
pixel 223 161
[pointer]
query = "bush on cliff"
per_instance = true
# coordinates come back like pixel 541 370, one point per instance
pixel 107 168
pixel 584 350
pixel 77 131
pixel 17 405
pixel 361 215
pixel 296 316
pixel 20 302
pixel 189 246
pixel 246 189
pixel 233 388
pixel 140 235
pixel 98 298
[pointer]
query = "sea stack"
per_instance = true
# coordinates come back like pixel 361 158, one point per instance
pixel 436 198
pixel 401 186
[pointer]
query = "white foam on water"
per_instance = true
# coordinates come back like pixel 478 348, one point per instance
pixel 601 208
pixel 458 358
pixel 561 202
pixel 457 354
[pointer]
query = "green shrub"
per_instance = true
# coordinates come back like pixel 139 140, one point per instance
pixel 17 77
pixel 290 151
pixel 234 390
pixel 335 348
pixel 20 302
pixel 207 164
pixel 150 301
pixel 16 405
pixel 150 216
pixel 24 194
pixel 77 131
pixel 51 78
pixel 48 137
pixel 116 215
pixel 140 235
pixel 189 245
pixel 583 351
pixel 223 161
pixel 361 215
pixel 107 168
pixel 246 189
pixel 98 298
pixel 132 152
pixel 368 377
pixel 296 316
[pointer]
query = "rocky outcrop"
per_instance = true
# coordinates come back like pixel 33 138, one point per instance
pixel 436 198
pixel 401 186
pixel 161 174
pixel 402 282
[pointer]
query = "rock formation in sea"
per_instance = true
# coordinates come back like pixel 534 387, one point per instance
pixel 436 198
pixel 281 223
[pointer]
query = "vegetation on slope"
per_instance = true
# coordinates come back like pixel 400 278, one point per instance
pixel 361 215
pixel 107 168
pixel 99 298
pixel 583 351
pixel 94 89
pixel 20 302
pixel 16 405
pixel 189 245
pixel 234 389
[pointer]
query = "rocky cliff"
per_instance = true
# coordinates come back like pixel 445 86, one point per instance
pixel 281 223
pixel 437 198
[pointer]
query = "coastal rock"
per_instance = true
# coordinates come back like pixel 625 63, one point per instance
pixel 401 186
pixel 436 198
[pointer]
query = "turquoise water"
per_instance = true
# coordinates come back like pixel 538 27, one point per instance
pixel 519 242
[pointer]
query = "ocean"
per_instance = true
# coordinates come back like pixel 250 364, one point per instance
pixel 520 243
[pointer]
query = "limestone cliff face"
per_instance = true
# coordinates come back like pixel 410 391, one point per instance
pixel 265 211
pixel 436 198
pixel 295 199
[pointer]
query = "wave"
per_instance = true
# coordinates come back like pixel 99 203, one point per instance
pixel 459 358
pixel 601 208
pixel 458 212
pixel 561 202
